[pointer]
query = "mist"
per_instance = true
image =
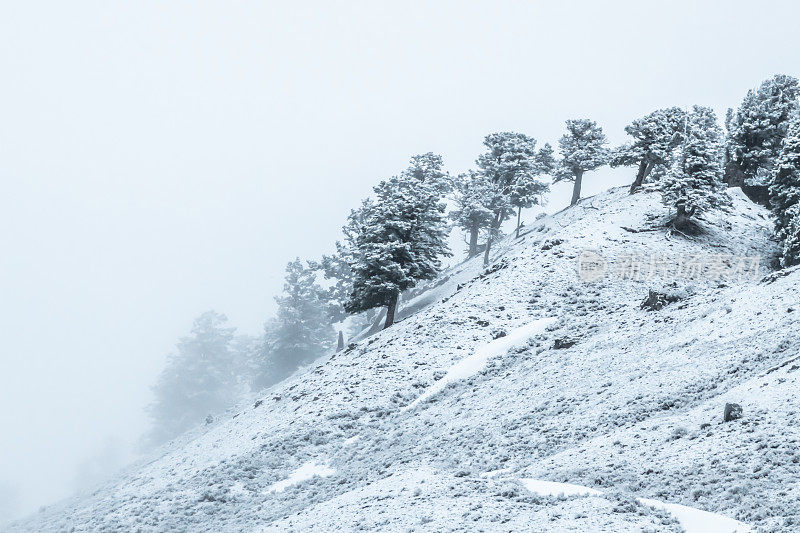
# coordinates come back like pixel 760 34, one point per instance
pixel 162 159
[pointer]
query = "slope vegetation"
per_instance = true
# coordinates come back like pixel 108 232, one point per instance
pixel 591 390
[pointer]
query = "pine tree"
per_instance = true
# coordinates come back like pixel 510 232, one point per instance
pixel 201 378
pixel 655 136
pixel 265 372
pixel 302 331
pixel 785 195
pixel 473 211
pixel 512 165
pixel 790 238
pixel 401 241
pixel 526 187
pixel 757 128
pixel 582 149
pixel 546 159
pixel 428 168
pixel 336 266
pixel 693 184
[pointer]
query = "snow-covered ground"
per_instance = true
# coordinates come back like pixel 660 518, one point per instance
pixel 471 365
pixel 303 473
pixel 692 520
pixel 623 401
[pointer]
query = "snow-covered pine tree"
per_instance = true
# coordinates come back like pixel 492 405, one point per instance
pixel 473 206
pixel 693 184
pixel 757 128
pixel 526 187
pixel 201 378
pixel 785 195
pixel 302 330
pixel 546 159
pixel 583 149
pixel 402 240
pixel 790 238
pixel 512 165
pixel 428 168
pixel 336 266
pixel 265 372
pixel 655 136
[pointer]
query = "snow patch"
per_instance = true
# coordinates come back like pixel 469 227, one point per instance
pixel 698 521
pixel 692 520
pixel 552 488
pixel 306 471
pixel 469 366
pixel 494 473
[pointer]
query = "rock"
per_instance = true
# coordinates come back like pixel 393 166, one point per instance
pixel 733 411
pixel 550 243
pixel 561 344
pixel 209 419
pixel 656 300
pixel 498 333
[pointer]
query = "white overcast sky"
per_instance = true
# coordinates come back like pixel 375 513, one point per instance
pixel 158 159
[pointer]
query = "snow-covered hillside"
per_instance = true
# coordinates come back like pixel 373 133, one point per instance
pixel 467 413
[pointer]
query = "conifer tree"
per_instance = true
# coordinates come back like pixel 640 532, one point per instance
pixel 693 184
pixel 265 372
pixel 757 128
pixel 201 378
pixel 546 159
pixel 336 266
pixel 526 187
pixel 512 166
pixel 582 148
pixel 428 168
pixel 302 330
pixel 785 195
pixel 473 211
pixel 400 242
pixel 655 136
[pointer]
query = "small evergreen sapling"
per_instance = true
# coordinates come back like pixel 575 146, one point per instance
pixel 582 148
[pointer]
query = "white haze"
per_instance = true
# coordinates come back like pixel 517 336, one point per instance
pixel 159 159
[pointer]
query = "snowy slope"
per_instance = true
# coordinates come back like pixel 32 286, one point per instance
pixel 623 401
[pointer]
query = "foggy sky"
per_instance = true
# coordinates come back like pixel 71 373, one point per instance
pixel 159 159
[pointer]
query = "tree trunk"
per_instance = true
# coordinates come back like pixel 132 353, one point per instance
pixel 340 342
pixel 492 229
pixel 644 171
pixel 390 309
pixel 681 221
pixel 576 189
pixel 519 216
pixel 473 241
